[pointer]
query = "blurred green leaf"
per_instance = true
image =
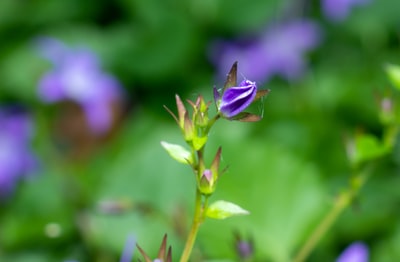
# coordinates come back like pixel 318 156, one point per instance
pixel 393 71
pixel 367 147
pixel 40 214
pixel 240 15
pixel 387 250
pixel 20 72
pixel 141 172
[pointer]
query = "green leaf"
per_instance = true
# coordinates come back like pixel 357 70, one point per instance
pixel 222 209
pixel 393 72
pixel 199 142
pixel 177 152
pixel 367 147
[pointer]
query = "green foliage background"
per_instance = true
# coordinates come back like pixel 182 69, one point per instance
pixel 286 169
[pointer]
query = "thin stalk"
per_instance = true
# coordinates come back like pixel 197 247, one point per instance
pixel 342 202
pixel 197 220
pixel 211 122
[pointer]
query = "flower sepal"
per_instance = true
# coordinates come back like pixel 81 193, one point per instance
pixel 261 93
pixel 231 78
pixel 207 183
pixel 163 255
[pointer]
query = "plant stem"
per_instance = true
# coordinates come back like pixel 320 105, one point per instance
pixel 197 220
pixel 344 199
pixel 211 122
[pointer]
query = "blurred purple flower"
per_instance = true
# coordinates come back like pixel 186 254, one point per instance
pixel 127 253
pixel 236 99
pixel 338 10
pixel 77 76
pixel 16 158
pixel 356 252
pixel 244 248
pixel 278 51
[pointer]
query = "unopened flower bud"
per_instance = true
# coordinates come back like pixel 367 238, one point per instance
pixel 209 177
pixel 244 248
pixel 387 114
pixel 207 182
pixel 234 98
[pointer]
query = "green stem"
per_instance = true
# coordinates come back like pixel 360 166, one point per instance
pixel 197 220
pixel 342 202
pixel 211 122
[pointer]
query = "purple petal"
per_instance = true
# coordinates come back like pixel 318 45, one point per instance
pixel 356 252
pixel 127 253
pixel 244 249
pixel 18 125
pixel 16 159
pixel 280 50
pixel 207 174
pixel 99 116
pixel 51 49
pixel 339 10
pixel 77 76
pixel 236 99
pixel 51 88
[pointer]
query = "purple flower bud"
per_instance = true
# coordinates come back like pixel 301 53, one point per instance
pixel 236 99
pixel 207 182
pixel 356 252
pixel 244 248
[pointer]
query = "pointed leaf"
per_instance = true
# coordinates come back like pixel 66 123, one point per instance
pixel 216 161
pixel 172 114
pixel 145 256
pixel 246 117
pixel 169 255
pixel 181 110
pixel 250 118
pixel 231 79
pixel 223 209
pixel 199 142
pixel 163 247
pixel 261 93
pixel 177 152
